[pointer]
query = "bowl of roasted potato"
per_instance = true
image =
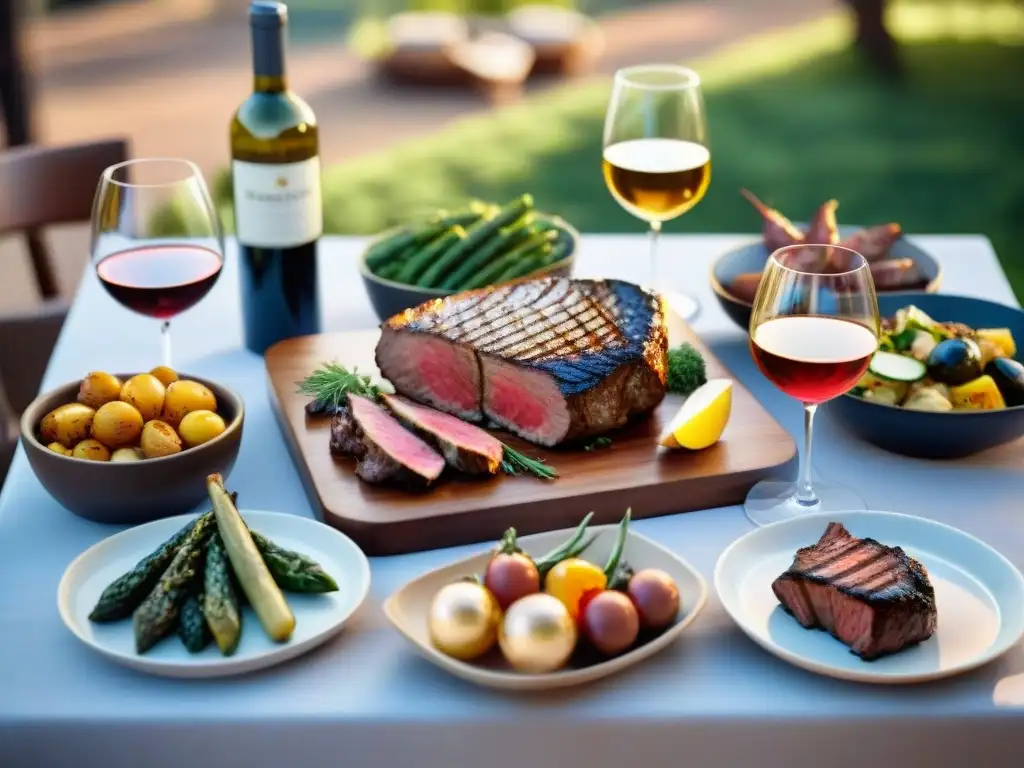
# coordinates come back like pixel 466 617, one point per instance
pixel 130 448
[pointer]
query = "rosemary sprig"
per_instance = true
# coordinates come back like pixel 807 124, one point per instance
pixel 331 382
pixel 514 463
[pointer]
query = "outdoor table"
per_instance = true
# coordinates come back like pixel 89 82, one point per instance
pixel 367 699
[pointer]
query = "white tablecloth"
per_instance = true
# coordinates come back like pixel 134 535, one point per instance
pixel 366 699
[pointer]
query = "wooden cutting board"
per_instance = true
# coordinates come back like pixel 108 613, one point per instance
pixel 632 472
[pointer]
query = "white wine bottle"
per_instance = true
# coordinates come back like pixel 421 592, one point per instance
pixel 275 171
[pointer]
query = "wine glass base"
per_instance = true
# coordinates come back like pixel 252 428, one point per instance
pixel 682 304
pixel 771 501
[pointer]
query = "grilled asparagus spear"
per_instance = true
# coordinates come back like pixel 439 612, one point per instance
pixel 156 615
pixel 126 592
pixel 192 629
pixel 441 264
pixel 257 583
pixel 293 571
pixel 220 601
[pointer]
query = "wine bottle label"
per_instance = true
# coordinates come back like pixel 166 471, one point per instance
pixel 277 206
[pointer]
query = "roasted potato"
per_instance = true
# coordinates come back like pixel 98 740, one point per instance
pixel 116 424
pixel 167 376
pixel 127 454
pixel 199 427
pixel 99 388
pixel 67 424
pixel 91 450
pixel 159 439
pixel 146 393
pixel 58 448
pixel 185 396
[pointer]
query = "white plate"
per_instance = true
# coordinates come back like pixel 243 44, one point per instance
pixel 407 609
pixel 979 596
pixel 317 617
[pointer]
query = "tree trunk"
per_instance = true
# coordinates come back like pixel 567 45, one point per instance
pixel 873 37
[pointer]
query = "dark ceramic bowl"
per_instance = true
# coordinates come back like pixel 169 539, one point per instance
pixel 132 492
pixel 753 256
pixel 929 434
pixel 389 297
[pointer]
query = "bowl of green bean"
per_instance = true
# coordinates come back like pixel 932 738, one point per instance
pixel 480 245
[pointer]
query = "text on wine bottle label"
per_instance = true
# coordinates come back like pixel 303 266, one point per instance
pixel 277 206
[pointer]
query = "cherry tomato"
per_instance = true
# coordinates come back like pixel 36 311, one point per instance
pixel 655 596
pixel 510 577
pixel 610 621
pixel 572 580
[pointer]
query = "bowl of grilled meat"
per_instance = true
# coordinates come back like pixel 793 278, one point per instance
pixel 897 265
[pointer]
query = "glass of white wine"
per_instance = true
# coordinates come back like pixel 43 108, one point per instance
pixel 657 160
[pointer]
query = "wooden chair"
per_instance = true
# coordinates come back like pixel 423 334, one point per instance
pixel 40 187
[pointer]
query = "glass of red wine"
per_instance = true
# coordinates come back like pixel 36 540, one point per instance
pixel 157 243
pixel 813 331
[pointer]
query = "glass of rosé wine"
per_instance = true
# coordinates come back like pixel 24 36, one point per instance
pixel 813 331
pixel 157 243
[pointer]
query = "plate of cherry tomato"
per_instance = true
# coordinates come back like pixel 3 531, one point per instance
pixel 551 610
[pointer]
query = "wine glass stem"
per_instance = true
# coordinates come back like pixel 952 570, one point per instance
pixel 805 494
pixel 655 236
pixel 165 339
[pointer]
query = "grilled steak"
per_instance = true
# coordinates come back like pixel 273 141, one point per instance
pixel 551 359
pixel 346 437
pixel 465 447
pixel 391 453
pixel 873 598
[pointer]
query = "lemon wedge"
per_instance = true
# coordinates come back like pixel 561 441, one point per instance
pixel 702 418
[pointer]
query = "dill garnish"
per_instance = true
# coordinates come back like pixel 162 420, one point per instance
pixel 329 384
pixel 514 463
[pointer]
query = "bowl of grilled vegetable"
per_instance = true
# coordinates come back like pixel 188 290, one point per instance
pixel 897 265
pixel 946 382
pixel 450 251
pixel 130 448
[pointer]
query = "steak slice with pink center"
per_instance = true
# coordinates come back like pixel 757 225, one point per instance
pixel 556 359
pixel 431 370
pixel 464 446
pixel 391 453
pixel 874 598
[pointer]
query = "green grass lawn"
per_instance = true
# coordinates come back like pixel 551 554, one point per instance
pixel 794 116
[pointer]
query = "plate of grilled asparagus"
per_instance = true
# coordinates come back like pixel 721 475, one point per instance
pixel 219 593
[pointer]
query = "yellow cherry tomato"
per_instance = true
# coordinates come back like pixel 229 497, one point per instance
pixel 572 579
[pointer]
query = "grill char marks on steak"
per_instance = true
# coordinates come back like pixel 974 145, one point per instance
pixel 558 359
pixel 875 599
pixel 390 452
pixel 346 436
pixel 465 447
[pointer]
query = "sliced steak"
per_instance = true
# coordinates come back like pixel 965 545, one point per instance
pixel 464 446
pixel 873 598
pixel 391 453
pixel 551 359
pixel 346 437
